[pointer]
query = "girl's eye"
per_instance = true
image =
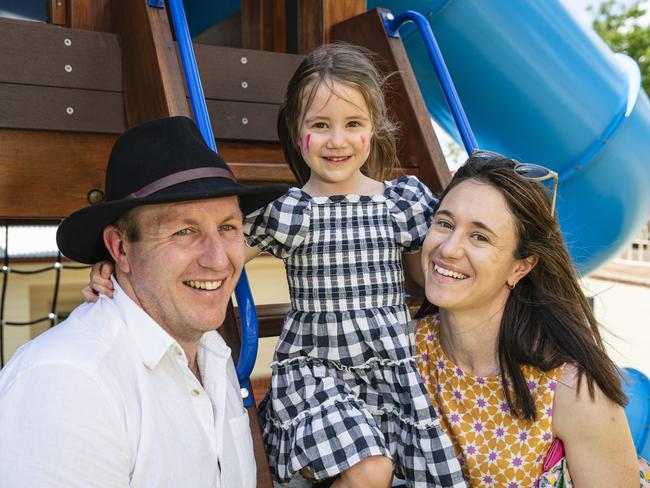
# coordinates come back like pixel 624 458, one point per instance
pixel 320 125
pixel 354 123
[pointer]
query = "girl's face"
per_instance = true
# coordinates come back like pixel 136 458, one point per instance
pixel 335 137
pixel 468 254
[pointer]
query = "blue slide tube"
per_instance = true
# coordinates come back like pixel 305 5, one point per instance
pixel 540 88
pixel 249 335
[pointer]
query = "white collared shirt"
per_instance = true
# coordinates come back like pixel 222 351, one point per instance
pixel 106 399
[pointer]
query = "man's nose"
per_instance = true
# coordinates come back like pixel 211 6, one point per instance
pixel 212 251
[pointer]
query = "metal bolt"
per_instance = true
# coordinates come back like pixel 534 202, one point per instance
pixel 67 42
pixel 244 60
pixel 95 196
pixel 390 16
pixel 244 120
pixel 51 316
pixel 57 265
pixel 5 269
pixel 69 110
pixel 67 68
pixel 244 393
pixel 244 84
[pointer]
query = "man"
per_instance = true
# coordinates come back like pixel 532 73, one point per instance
pixel 141 390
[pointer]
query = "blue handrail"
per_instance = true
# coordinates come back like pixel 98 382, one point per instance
pixel 392 24
pixel 249 333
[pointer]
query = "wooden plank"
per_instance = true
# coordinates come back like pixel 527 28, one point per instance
pixel 41 54
pixel 37 107
pixel 49 174
pixel 263 25
pixel 92 15
pixel 418 142
pixel 58 12
pixel 244 74
pixel 152 79
pixel 246 121
pixel 316 17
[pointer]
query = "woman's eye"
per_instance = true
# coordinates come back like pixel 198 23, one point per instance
pixel 444 224
pixel 480 238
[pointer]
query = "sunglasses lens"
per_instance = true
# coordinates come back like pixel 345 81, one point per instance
pixel 530 171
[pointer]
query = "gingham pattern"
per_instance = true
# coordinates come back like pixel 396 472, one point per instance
pixel 345 385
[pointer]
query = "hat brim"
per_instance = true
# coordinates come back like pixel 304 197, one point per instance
pixel 80 236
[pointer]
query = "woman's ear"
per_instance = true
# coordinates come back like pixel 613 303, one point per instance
pixel 522 268
pixel 114 242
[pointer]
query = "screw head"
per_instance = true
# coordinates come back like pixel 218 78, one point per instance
pixel 244 84
pixel 244 393
pixel 67 42
pixel 69 110
pixel 95 196
pixel 67 68
pixel 244 60
pixel 390 16
pixel 57 265
pixel 51 316
pixel 244 120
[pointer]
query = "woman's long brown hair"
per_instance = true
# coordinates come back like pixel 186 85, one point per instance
pixel 547 320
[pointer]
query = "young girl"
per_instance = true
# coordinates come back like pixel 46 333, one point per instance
pixel 346 399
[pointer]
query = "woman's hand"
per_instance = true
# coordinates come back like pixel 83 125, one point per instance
pixel 595 433
pixel 100 282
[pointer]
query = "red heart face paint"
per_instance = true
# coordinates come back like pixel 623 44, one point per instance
pixel 363 141
pixel 307 138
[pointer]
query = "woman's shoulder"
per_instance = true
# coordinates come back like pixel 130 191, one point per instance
pixel 408 187
pixel 425 329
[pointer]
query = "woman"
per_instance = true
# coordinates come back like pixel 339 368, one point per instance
pixel 514 359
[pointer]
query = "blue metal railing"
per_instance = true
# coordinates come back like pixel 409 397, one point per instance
pixel 392 24
pixel 249 332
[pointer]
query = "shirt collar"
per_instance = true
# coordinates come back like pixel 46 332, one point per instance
pixel 151 340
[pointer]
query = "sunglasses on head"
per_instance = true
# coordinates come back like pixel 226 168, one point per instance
pixel 528 171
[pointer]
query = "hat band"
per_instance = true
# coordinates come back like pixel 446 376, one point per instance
pixel 181 177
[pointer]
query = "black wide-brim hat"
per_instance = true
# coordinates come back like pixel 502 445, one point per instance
pixel 161 161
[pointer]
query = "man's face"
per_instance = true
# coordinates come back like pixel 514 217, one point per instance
pixel 186 264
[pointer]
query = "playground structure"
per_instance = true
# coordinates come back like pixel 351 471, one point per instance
pixel 68 90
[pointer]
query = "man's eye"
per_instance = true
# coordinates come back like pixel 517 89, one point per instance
pixel 183 232
pixel 226 227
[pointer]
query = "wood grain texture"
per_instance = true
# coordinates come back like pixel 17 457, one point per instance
pixel 49 174
pixel 92 15
pixel 38 54
pixel 224 69
pixel 263 25
pixel 58 12
pixel 418 144
pixel 63 109
pixel 316 18
pixel 152 78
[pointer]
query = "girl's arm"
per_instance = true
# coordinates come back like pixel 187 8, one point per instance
pixel 251 252
pixel 413 274
pixel 595 433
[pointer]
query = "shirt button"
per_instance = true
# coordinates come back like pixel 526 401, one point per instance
pixel 179 352
pixel 195 392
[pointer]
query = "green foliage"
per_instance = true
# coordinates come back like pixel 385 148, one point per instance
pixel 622 27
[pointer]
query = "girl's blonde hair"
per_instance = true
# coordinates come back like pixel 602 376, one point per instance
pixel 350 65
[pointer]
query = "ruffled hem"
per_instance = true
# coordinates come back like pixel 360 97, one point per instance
pixel 338 435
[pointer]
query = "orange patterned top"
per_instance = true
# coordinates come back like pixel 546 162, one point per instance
pixel 494 447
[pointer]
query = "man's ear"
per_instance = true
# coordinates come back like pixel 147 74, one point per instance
pixel 522 268
pixel 114 242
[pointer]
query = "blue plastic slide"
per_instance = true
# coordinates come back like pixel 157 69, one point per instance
pixel 540 88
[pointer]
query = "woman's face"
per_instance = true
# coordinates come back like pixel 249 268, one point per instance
pixel 468 254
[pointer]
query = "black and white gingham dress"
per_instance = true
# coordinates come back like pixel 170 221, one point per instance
pixel 345 384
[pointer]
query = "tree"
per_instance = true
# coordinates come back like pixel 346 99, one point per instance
pixel 622 26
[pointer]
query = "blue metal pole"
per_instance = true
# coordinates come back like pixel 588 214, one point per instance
pixel 393 23
pixel 249 333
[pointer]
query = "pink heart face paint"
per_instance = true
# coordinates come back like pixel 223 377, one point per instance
pixel 307 139
pixel 363 141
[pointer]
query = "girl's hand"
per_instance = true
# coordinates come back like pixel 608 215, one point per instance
pixel 100 282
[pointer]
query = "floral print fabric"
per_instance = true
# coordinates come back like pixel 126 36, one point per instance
pixel 495 448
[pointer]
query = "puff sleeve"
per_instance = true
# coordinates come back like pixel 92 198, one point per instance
pixel 281 226
pixel 411 206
